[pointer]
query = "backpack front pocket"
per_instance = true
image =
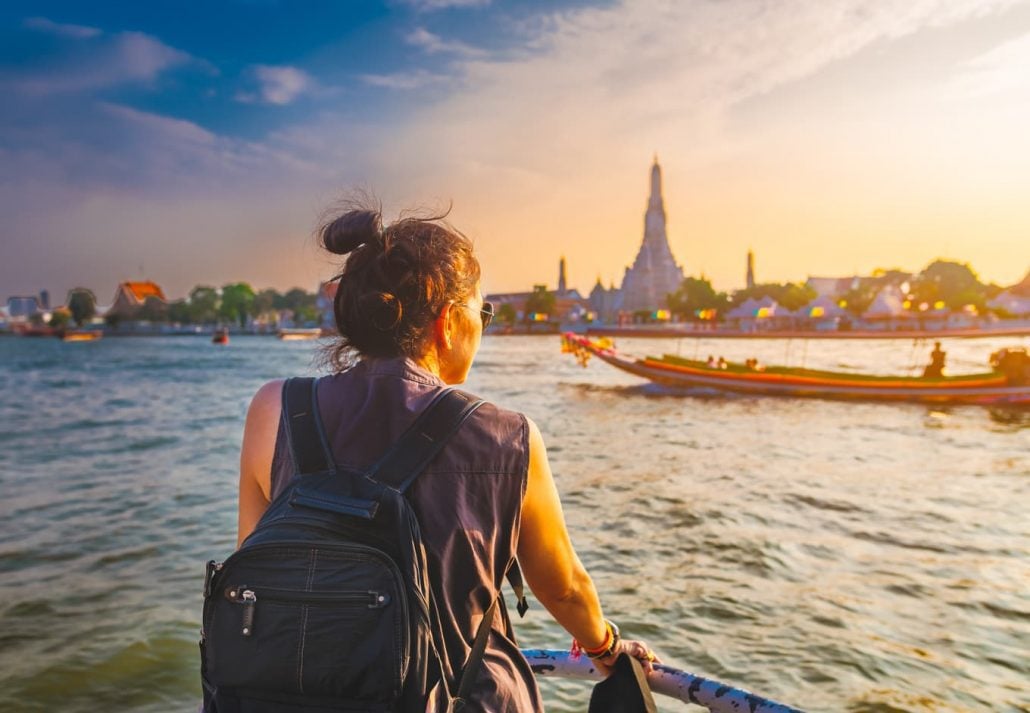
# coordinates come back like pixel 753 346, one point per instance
pixel 332 640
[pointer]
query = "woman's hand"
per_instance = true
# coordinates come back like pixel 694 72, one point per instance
pixel 637 649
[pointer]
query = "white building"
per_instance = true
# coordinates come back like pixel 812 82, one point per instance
pixel 831 287
pixel 1012 303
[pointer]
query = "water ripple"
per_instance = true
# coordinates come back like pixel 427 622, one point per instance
pixel 837 556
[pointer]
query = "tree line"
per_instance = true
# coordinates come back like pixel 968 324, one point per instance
pixel 233 303
pixel 945 283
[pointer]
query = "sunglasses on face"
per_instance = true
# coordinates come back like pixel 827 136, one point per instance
pixel 486 313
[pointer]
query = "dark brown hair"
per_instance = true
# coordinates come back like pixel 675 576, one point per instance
pixel 395 281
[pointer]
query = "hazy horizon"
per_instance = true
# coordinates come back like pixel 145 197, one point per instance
pixel 203 144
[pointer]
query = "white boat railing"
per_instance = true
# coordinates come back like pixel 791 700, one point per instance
pixel 665 680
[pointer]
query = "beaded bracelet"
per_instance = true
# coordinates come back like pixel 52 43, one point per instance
pixel 607 647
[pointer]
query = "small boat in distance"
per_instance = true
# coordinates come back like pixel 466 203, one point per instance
pixel 1007 384
pixel 298 334
pixel 33 330
pixel 221 336
pixel 81 335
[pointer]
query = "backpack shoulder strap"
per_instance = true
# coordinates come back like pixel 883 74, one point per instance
pixel 470 671
pixel 430 432
pixel 308 443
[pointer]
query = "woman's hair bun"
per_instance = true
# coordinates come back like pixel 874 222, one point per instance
pixel 383 309
pixel 351 230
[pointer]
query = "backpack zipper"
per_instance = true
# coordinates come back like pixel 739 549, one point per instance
pixel 248 598
pixel 371 552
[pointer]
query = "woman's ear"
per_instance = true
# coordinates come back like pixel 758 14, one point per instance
pixel 443 327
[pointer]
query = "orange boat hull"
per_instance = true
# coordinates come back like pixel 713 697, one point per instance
pixel 978 389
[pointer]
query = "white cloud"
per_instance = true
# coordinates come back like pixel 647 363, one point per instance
pixel 637 76
pixel 109 186
pixel 169 148
pixel 403 80
pixel 278 84
pixel 431 5
pixel 177 130
pixel 43 24
pixel 1004 69
pixel 124 58
pixel 145 57
pixel 434 44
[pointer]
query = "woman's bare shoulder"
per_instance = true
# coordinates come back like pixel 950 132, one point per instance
pixel 267 403
pixel 536 439
pixel 269 393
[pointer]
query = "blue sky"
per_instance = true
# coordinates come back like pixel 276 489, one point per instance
pixel 201 142
pixel 216 64
pixel 241 70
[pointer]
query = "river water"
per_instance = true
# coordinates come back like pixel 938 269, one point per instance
pixel 835 556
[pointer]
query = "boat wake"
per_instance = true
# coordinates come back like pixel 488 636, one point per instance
pixel 656 391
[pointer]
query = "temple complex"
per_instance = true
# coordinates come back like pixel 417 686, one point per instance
pixel 654 273
pixel 645 286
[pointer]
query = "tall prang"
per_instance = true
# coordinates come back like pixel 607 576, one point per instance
pixel 654 273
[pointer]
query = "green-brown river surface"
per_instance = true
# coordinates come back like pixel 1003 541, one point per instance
pixel 835 556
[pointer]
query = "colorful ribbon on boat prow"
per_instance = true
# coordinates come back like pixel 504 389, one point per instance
pixel 582 347
pixel 665 680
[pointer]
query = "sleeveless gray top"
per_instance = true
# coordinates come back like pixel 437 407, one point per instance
pixel 468 502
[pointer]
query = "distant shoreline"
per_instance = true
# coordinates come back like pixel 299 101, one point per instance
pixel 653 333
pixel 648 333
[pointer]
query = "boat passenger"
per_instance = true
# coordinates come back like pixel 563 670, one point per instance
pixel 722 364
pixel 935 369
pixel 711 361
pixel 410 316
pixel 1014 363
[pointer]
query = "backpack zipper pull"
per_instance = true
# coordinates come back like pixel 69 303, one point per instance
pixel 249 600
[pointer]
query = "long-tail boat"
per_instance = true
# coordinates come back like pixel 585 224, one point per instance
pixel 1007 383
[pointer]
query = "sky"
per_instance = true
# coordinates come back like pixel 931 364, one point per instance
pixel 202 142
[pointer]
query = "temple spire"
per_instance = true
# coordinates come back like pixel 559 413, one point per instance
pixel 654 273
pixel 656 184
pixel 562 285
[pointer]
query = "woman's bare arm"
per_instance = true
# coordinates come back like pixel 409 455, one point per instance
pixel 549 562
pixel 551 566
pixel 256 456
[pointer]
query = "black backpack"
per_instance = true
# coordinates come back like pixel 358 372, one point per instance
pixel 326 606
